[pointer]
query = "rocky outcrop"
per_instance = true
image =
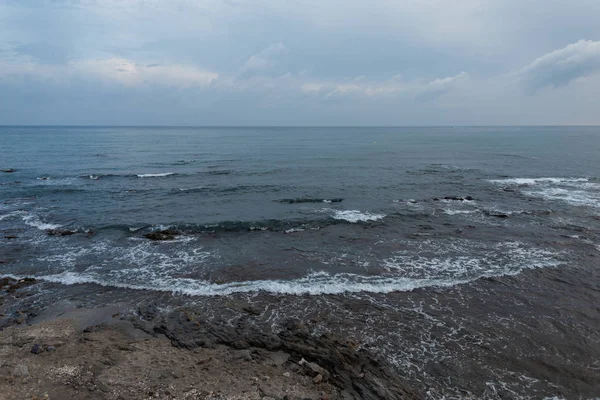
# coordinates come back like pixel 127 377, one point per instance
pixel 165 234
pixel 354 370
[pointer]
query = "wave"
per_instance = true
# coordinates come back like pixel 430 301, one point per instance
pixel 35 221
pixel 355 216
pixel 537 181
pixel 572 197
pixel 156 175
pixel 213 189
pixel 449 270
pixel 310 200
pixel 272 225
pixel 456 212
pixel 573 191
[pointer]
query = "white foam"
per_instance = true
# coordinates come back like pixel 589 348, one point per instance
pixel 356 216
pixel 292 230
pixel 18 213
pixel 535 181
pixel 463 259
pixel 313 284
pixel 155 175
pixel 455 212
pixel 143 268
pixel 573 197
pixel 94 177
pixel 34 220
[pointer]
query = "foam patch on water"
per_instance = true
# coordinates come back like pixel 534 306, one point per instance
pixel 13 214
pixel 155 175
pixel 143 268
pixel 457 212
pixel 355 216
pixel 462 259
pixel 572 197
pixel 573 191
pixel 36 222
pixel 537 181
pixel 313 284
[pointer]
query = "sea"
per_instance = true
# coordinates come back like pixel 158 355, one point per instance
pixel 467 257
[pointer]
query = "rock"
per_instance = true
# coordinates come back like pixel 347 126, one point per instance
pixel 51 348
pixel 244 355
pixel 37 349
pixel 319 373
pixel 287 374
pixel 165 234
pixel 10 237
pixel 268 398
pixel 457 198
pixel 20 370
pixel 8 170
pixel 358 372
pixel 14 285
pixel 60 232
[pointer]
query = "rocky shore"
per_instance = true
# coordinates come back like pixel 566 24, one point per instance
pixel 120 352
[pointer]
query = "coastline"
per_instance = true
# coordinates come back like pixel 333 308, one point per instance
pixel 527 336
pixel 123 352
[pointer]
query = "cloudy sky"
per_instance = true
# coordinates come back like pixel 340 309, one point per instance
pixel 301 62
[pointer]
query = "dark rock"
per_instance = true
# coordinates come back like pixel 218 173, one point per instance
pixel 148 312
pixel 310 200
pixel 166 234
pixel 8 170
pixel 12 285
pixel 10 237
pixel 60 232
pixel 358 372
pixel 496 214
pixel 37 349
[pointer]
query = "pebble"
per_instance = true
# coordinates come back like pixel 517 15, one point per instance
pixel 37 349
pixel 20 370
pixel 51 348
pixel 287 374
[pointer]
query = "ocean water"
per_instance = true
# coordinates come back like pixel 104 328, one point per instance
pixel 293 210
pixel 466 257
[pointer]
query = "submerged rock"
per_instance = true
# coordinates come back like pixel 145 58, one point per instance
pixel 60 232
pixel 454 198
pixel 166 234
pixel 11 285
pixel 8 170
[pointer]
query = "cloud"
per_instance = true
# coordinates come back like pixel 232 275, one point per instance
pixel 110 71
pixel 438 87
pixel 264 59
pixel 562 66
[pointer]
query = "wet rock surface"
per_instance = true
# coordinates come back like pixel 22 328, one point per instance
pixel 145 352
pixel 325 358
pixel 166 234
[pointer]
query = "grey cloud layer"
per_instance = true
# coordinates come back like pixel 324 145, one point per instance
pixel 307 62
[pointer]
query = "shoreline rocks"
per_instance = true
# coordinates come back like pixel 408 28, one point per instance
pixel 165 234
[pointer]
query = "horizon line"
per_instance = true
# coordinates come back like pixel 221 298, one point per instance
pixel 290 126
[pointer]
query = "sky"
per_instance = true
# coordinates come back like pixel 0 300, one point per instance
pixel 301 62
